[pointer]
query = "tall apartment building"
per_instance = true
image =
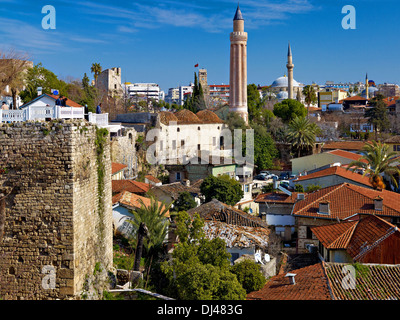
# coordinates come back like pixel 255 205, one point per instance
pixel 144 91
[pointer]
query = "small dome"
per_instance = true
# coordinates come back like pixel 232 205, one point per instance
pixel 283 82
pixel 186 116
pixel 371 91
pixel 208 116
pixel 282 95
pixel 166 117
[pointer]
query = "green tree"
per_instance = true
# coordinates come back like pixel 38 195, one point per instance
pixel 312 188
pixel 377 160
pixel 249 275
pixel 196 101
pixel 378 114
pixel 155 217
pixel 265 150
pixel 289 109
pixel 199 268
pixel 302 134
pixel 184 202
pixel 38 76
pixel 223 188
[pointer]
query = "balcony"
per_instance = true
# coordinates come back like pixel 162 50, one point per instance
pixel 45 113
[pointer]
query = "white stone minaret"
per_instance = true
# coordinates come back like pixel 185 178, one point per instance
pixel 366 87
pixel 238 68
pixel 290 67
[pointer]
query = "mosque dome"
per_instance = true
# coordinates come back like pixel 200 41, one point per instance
pixel 283 95
pixel 371 92
pixel 283 82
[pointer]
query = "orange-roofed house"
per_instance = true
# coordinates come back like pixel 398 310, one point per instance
pixel 123 205
pixel 308 283
pixel 131 186
pixel 117 170
pixel 315 161
pixel 341 203
pixel 370 239
pixel 332 176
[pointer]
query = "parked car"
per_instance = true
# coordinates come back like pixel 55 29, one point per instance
pixel 273 177
pixel 284 176
pixel 260 177
pixel 264 173
pixel 293 176
pixel 285 184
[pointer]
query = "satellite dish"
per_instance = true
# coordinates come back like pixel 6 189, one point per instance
pixel 55 92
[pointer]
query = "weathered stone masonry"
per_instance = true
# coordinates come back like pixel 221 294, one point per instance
pixel 54 225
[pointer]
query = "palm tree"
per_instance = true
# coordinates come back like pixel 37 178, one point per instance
pixel 375 161
pixel 96 69
pixel 302 134
pixel 310 96
pixel 155 217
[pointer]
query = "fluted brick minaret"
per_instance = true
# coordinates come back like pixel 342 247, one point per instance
pixel 238 68
pixel 290 67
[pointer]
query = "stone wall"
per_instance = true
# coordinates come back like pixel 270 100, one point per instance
pixel 56 226
pixel 123 151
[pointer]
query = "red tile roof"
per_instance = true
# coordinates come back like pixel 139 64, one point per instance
pixel 347 200
pixel 117 167
pixel 311 284
pixel 335 236
pixel 69 102
pixel 276 197
pixel 372 281
pixel 344 145
pixel 133 201
pixel 346 154
pixel 129 185
pixel 339 171
pixel 355 98
pixel 153 179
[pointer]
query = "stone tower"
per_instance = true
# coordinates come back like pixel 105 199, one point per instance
pixel 290 67
pixel 366 87
pixel 238 68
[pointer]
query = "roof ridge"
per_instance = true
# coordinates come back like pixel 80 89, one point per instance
pixel 334 188
pixel 348 232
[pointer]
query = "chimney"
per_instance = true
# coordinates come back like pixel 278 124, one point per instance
pixel 324 207
pixel 291 277
pixel 378 203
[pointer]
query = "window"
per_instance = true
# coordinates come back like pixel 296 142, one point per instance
pixel 198 128
pixel 199 147
pixel 309 233
pixel 178 176
pixel 182 143
pixel 246 188
pixel 179 130
pixel 173 144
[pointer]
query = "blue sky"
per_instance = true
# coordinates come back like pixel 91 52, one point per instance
pixel 161 41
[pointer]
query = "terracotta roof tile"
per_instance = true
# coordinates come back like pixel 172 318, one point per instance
pixel 69 102
pixel 344 145
pixel 339 171
pixel 311 284
pixel 153 179
pixel 133 201
pixel 208 116
pixel 117 167
pixel 129 185
pixel 346 154
pixel 347 200
pixel 372 281
pixel 276 197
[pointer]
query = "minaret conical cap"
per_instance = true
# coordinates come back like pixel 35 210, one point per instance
pixel 238 15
